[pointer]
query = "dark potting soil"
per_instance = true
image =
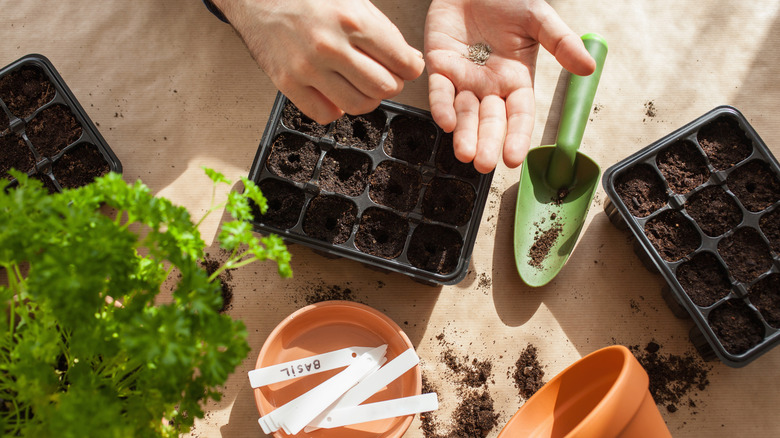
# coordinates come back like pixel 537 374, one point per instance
pixel 714 210
pixel 435 248
pixel 381 233
pixel 683 166
pixel 672 235
pixel 746 254
pixel 363 131
pixel 293 157
pixel 15 154
pixel 641 190
pixel 330 218
pixel 322 292
pixel 755 185
pixel 737 327
pixel 770 225
pixel 528 374
pixel 410 139
pixel 724 142
pixel 48 184
pixel 704 279
pixel 211 264
pixel 673 378
pixel 80 166
pixel 52 130
pixel 395 185
pixel 285 202
pixel 345 171
pixel 765 295
pixel 448 200
pixel 4 122
pixel 26 90
pixel 293 118
pixel 448 163
pixel 544 239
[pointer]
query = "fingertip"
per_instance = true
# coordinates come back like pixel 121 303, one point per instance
pixel 484 165
pixel 441 96
pixel 515 150
pixel 574 57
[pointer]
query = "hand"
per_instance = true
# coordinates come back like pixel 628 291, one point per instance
pixel 327 57
pixel 492 106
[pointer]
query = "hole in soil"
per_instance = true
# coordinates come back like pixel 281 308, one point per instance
pixel 765 295
pixel 345 171
pixel 285 202
pixel 80 166
pixel 25 90
pixel 381 233
pixel 737 327
pixel 330 218
pixel 770 225
pixel 746 254
pixel 672 235
pixel 714 210
pixel 724 142
pixel 363 131
pixel 755 185
pixel 449 200
pixel 704 279
pixel 435 248
pixel 293 118
pixel 683 166
pixel 641 190
pixel 15 154
pixel 52 130
pixel 293 157
pixel 395 185
pixel 410 139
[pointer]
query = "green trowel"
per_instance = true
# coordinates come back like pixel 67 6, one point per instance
pixel 558 183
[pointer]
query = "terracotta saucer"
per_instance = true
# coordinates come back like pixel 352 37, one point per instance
pixel 328 326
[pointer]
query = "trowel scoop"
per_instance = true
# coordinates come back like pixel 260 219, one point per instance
pixel 557 183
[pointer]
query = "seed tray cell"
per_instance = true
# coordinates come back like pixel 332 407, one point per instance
pixel 382 188
pixel 703 207
pixel 45 132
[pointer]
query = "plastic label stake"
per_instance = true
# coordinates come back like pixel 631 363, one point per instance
pixel 306 366
pixel 380 410
pixel 293 416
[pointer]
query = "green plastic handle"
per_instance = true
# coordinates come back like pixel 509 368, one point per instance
pixel 576 109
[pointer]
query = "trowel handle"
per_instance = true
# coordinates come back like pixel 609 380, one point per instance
pixel 576 109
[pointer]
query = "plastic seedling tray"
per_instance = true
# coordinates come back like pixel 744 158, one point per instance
pixel 45 132
pixel 383 188
pixel 703 204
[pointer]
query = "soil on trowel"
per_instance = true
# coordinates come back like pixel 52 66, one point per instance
pixel 641 190
pixel 544 239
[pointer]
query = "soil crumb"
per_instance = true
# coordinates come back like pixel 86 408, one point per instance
pixel 323 292
pixel 650 110
pixel 543 242
pixel 674 379
pixel 528 375
pixel 212 264
pixel 479 53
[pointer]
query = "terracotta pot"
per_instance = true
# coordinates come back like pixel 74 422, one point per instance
pixel 603 395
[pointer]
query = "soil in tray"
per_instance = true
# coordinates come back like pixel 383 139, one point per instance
pixel 294 157
pixel 704 279
pixel 14 153
pixel 435 248
pixel 25 90
pixel 724 142
pixel 765 295
pixel 410 139
pixel 672 235
pixel 395 185
pixel 641 190
pixel 737 327
pixel 381 233
pixel 755 185
pixel 714 210
pixel 52 130
pixel 448 200
pixel 770 225
pixel 345 171
pixel 294 119
pixel 285 202
pixel 4 123
pixel 746 254
pixel 683 166
pixel 48 184
pixel 80 166
pixel 330 218
pixel 448 163
pixel 363 131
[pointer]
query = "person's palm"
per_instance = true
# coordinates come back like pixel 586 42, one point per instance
pixel 493 104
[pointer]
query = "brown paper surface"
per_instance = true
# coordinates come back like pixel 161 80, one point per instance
pixel 173 89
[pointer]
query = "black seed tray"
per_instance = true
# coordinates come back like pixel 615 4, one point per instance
pixel 703 205
pixel 383 189
pixel 40 115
